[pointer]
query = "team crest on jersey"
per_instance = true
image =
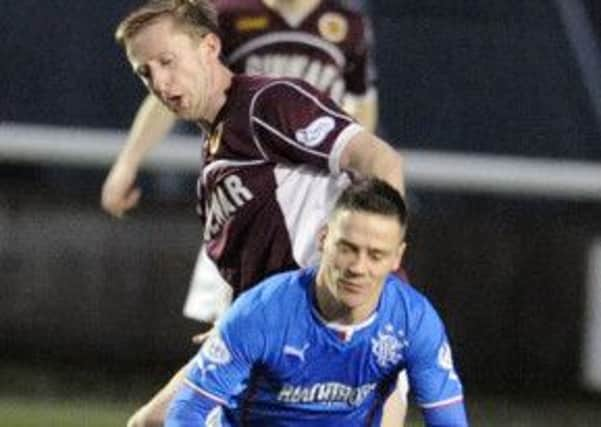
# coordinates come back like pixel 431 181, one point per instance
pixel 215 138
pixel 316 132
pixel 252 23
pixel 445 360
pixel 333 27
pixel 388 346
pixel 215 350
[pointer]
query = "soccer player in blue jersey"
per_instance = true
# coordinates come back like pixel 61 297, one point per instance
pixel 323 346
pixel 276 155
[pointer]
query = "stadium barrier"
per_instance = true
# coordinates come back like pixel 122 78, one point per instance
pixel 433 170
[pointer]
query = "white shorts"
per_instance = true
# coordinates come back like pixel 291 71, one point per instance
pixel 209 294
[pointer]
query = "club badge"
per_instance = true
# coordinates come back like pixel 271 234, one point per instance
pixel 388 346
pixel 333 27
pixel 214 140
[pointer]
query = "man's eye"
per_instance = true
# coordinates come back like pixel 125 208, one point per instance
pixel 376 256
pixel 166 62
pixel 345 249
pixel 143 72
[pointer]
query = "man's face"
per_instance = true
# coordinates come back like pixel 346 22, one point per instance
pixel 175 66
pixel 358 250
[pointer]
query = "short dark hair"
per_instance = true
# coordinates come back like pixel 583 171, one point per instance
pixel 198 17
pixel 375 196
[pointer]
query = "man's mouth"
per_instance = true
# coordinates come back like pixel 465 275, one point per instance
pixel 174 102
pixel 351 286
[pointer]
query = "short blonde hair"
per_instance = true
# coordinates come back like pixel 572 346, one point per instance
pixel 197 17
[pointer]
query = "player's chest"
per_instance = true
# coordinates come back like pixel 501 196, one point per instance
pixel 371 356
pixel 234 171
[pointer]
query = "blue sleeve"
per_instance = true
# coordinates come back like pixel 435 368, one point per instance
pixel 220 372
pixel 432 376
pixel 190 408
pixel 446 416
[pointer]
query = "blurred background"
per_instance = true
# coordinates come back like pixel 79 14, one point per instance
pixel 497 106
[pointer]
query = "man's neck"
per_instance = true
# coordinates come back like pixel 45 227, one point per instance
pixel 336 312
pixel 224 82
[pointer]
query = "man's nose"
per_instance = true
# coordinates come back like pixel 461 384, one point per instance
pixel 159 82
pixel 359 264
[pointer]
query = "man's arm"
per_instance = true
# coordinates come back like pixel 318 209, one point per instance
pixel 434 381
pixel 367 155
pixel 363 108
pixel 218 374
pixel 192 408
pixel 152 414
pixel 452 415
pixel 152 122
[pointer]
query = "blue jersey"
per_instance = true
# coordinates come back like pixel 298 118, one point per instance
pixel 273 361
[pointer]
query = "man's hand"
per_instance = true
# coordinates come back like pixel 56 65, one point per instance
pixel 118 192
pixel 149 415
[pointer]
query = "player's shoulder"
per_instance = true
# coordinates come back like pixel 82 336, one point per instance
pixel 274 84
pixel 401 294
pixel 281 90
pixel 276 94
pixel 251 89
pixel 268 295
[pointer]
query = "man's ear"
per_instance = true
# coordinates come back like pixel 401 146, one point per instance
pixel 399 255
pixel 212 43
pixel 321 237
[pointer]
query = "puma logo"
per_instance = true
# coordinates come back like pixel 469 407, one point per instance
pixel 296 352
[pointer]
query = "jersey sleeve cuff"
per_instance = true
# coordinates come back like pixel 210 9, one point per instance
pixel 205 393
pixel 441 403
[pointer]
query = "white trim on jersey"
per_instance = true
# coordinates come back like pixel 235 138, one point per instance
pixel 289 37
pixel 204 392
pixel 287 139
pixel 315 100
pixel 441 403
pixel 228 163
pixel 303 92
pixel 341 142
pixel 310 96
pixel 346 330
pixel 306 197
pixel 251 109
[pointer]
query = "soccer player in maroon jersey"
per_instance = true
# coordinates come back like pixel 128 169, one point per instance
pixel 320 41
pixel 277 154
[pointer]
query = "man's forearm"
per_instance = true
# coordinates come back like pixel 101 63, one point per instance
pixel 369 156
pixel 152 123
pixel 363 108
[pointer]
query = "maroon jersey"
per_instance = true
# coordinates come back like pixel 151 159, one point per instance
pixel 329 48
pixel 270 178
